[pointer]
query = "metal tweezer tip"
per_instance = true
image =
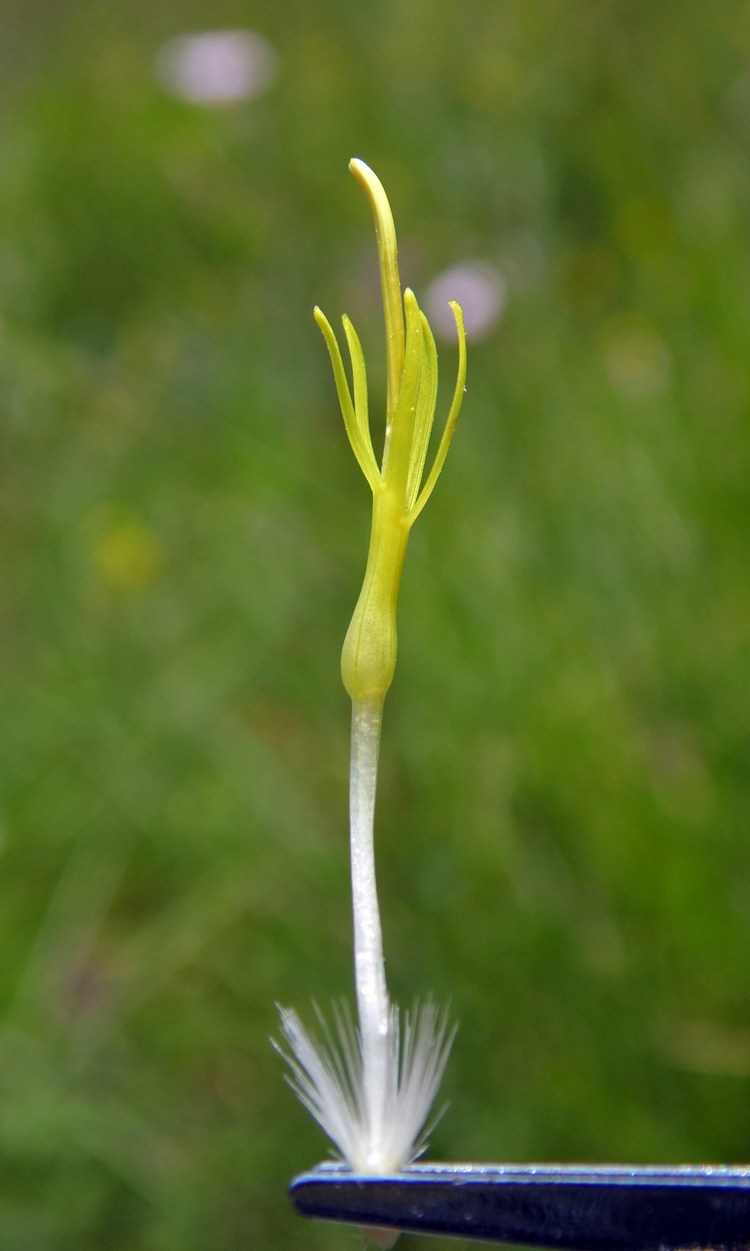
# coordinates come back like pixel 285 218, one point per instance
pixel 597 1207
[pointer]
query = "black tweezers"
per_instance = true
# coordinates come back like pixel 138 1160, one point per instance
pixel 597 1207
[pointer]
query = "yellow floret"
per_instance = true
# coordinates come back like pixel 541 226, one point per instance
pixel 399 495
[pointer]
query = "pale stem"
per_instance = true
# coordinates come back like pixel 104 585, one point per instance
pixel 369 967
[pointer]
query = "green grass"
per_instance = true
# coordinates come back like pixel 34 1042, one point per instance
pixel 565 799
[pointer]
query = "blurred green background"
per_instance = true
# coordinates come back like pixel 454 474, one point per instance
pixel 563 816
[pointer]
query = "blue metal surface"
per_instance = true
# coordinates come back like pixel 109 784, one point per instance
pixel 579 1207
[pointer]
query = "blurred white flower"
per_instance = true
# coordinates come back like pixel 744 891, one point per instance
pixel 480 290
pixel 216 66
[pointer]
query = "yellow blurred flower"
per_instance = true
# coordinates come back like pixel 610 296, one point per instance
pixel 128 555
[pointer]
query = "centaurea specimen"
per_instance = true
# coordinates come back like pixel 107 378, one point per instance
pixel 373 1087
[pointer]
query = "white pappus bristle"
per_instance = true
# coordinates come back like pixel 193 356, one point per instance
pixel 375 1119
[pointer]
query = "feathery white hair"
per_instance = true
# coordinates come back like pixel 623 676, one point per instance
pixel 378 1127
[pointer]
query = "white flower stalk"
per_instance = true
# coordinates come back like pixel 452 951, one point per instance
pixel 372 1088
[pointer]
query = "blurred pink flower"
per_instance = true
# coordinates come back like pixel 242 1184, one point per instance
pixel 216 67
pixel 480 290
